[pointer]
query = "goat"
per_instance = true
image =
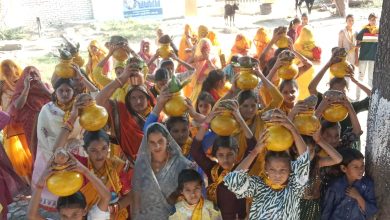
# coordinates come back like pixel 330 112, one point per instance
pixel 230 11
pixel 309 5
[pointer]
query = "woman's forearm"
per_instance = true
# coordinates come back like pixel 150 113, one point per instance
pixel 247 161
pixel 21 100
pixel 314 83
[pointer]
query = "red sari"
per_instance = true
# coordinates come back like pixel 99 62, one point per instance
pixel 26 117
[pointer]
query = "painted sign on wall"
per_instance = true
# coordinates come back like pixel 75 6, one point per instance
pixel 142 8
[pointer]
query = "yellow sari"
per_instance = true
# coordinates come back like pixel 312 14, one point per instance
pixel 261 40
pixel 109 175
pixel 94 59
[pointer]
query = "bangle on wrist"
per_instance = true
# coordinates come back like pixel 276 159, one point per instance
pixel 205 125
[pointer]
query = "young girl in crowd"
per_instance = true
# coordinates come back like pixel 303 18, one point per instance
pixel 204 104
pixel 290 177
pixel 292 29
pixel 193 205
pixel 352 195
pixel 225 151
pixel 74 206
pixel 214 81
pixel 310 202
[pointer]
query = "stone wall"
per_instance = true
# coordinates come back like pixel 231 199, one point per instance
pixel 24 12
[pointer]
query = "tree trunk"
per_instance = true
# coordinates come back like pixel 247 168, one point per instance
pixel 378 135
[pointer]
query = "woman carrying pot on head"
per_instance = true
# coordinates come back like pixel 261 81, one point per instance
pixel 52 117
pixel 130 115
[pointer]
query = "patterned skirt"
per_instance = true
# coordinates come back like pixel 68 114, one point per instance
pixel 310 209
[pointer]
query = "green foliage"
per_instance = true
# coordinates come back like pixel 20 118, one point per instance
pixel 11 33
pixel 132 30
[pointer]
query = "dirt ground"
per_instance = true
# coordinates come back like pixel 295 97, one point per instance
pixel 42 52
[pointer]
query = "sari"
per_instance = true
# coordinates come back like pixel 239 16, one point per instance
pixel 146 56
pixel 114 177
pixel 94 59
pixel 187 42
pixel 124 119
pixel 15 143
pixel 10 182
pixel 202 69
pixel 261 40
pixel 50 121
pixel 27 116
pixel 241 46
pixel 153 189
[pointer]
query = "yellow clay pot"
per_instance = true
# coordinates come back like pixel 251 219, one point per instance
pixel 282 42
pixel 335 113
pixel 120 54
pixel 339 69
pixel 224 124
pixel 164 51
pixel 93 117
pixel 64 183
pixel 279 138
pixel 64 69
pixel 247 80
pixel 288 71
pixel 176 106
pixel 307 123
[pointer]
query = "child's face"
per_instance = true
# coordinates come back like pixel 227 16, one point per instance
pixel 248 108
pixel 72 213
pixel 226 157
pixel 289 93
pixel 192 191
pixel 354 170
pixel 204 108
pixel 305 20
pixel 161 83
pixel 180 132
pixel 331 136
pixel 278 170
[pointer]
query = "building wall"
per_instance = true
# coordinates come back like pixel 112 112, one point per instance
pixel 24 12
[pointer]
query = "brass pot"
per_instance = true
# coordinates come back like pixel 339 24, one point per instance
pixel 335 113
pixel 339 69
pixel 64 69
pixel 247 80
pixel 288 71
pixel 224 124
pixel 93 117
pixel 279 138
pixel 176 106
pixel 307 123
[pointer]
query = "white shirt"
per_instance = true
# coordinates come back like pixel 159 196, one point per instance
pixel 96 214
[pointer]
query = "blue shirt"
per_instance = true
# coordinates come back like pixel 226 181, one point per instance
pixel 338 206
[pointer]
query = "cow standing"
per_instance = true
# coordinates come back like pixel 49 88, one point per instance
pixel 230 11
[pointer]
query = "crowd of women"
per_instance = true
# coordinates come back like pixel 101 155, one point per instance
pixel 145 164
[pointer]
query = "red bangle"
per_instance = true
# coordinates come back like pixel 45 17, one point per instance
pixel 205 125
pixel 39 186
